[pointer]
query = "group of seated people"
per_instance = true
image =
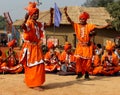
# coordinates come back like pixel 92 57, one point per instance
pixel 106 64
pixel 104 61
pixel 63 62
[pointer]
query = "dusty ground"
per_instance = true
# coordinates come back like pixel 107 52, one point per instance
pixel 61 85
pixel 13 84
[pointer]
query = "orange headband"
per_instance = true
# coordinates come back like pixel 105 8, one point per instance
pixel 67 46
pixel 11 43
pixel 50 45
pixel 109 45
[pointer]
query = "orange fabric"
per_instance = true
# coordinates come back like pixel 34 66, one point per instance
pixel 2 64
pixel 31 34
pixel 109 45
pixel 35 76
pixel 31 8
pixel 96 65
pixel 83 52
pixel 63 57
pixel 11 43
pixel 84 15
pixel 96 60
pixel 67 46
pixel 50 45
pixel 15 69
pixel 110 70
pixel 82 49
pixel 114 59
pixel 12 65
pixel 32 57
pixel 68 60
pixel 11 62
pixel 52 62
pixel 83 65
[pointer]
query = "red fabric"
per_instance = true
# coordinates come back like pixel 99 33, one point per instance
pixel 11 43
pixel 84 15
pixel 50 45
pixel 67 46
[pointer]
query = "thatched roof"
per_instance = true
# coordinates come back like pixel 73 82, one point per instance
pixel 98 15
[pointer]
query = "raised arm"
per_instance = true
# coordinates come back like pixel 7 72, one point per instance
pixel 23 26
pixel 51 18
pixel 68 18
pixel 103 26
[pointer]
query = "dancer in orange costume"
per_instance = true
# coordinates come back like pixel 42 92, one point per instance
pixel 84 49
pixel 31 55
pixel 110 59
pixel 51 59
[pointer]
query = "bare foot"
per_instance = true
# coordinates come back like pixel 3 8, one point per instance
pixel 38 88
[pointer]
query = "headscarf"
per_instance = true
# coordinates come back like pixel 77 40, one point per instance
pixel 31 8
pixel 84 15
pixel 11 43
pixel 109 45
pixel 67 46
pixel 50 45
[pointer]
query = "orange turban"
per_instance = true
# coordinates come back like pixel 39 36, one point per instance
pixel 84 15
pixel 67 46
pixel 11 43
pixel 50 45
pixel 109 45
pixel 31 8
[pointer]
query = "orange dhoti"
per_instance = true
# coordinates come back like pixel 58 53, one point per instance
pixel 32 60
pixel 83 56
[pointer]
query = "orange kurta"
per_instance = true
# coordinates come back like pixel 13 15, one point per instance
pixel 68 60
pixel 83 51
pixel 52 61
pixel 96 65
pixel 12 63
pixel 31 55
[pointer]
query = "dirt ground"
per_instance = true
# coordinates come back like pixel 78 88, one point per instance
pixel 13 84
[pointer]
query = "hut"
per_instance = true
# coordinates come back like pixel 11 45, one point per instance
pixel 98 16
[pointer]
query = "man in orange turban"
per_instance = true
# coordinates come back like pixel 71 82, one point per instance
pixel 51 59
pixel 84 48
pixel 31 54
pixel 67 60
pixel 109 59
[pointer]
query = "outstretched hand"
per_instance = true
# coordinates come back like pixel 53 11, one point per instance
pixel 109 22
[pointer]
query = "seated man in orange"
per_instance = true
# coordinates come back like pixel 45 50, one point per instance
pixel 51 59
pixel 67 60
pixel 12 59
pixel 109 60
